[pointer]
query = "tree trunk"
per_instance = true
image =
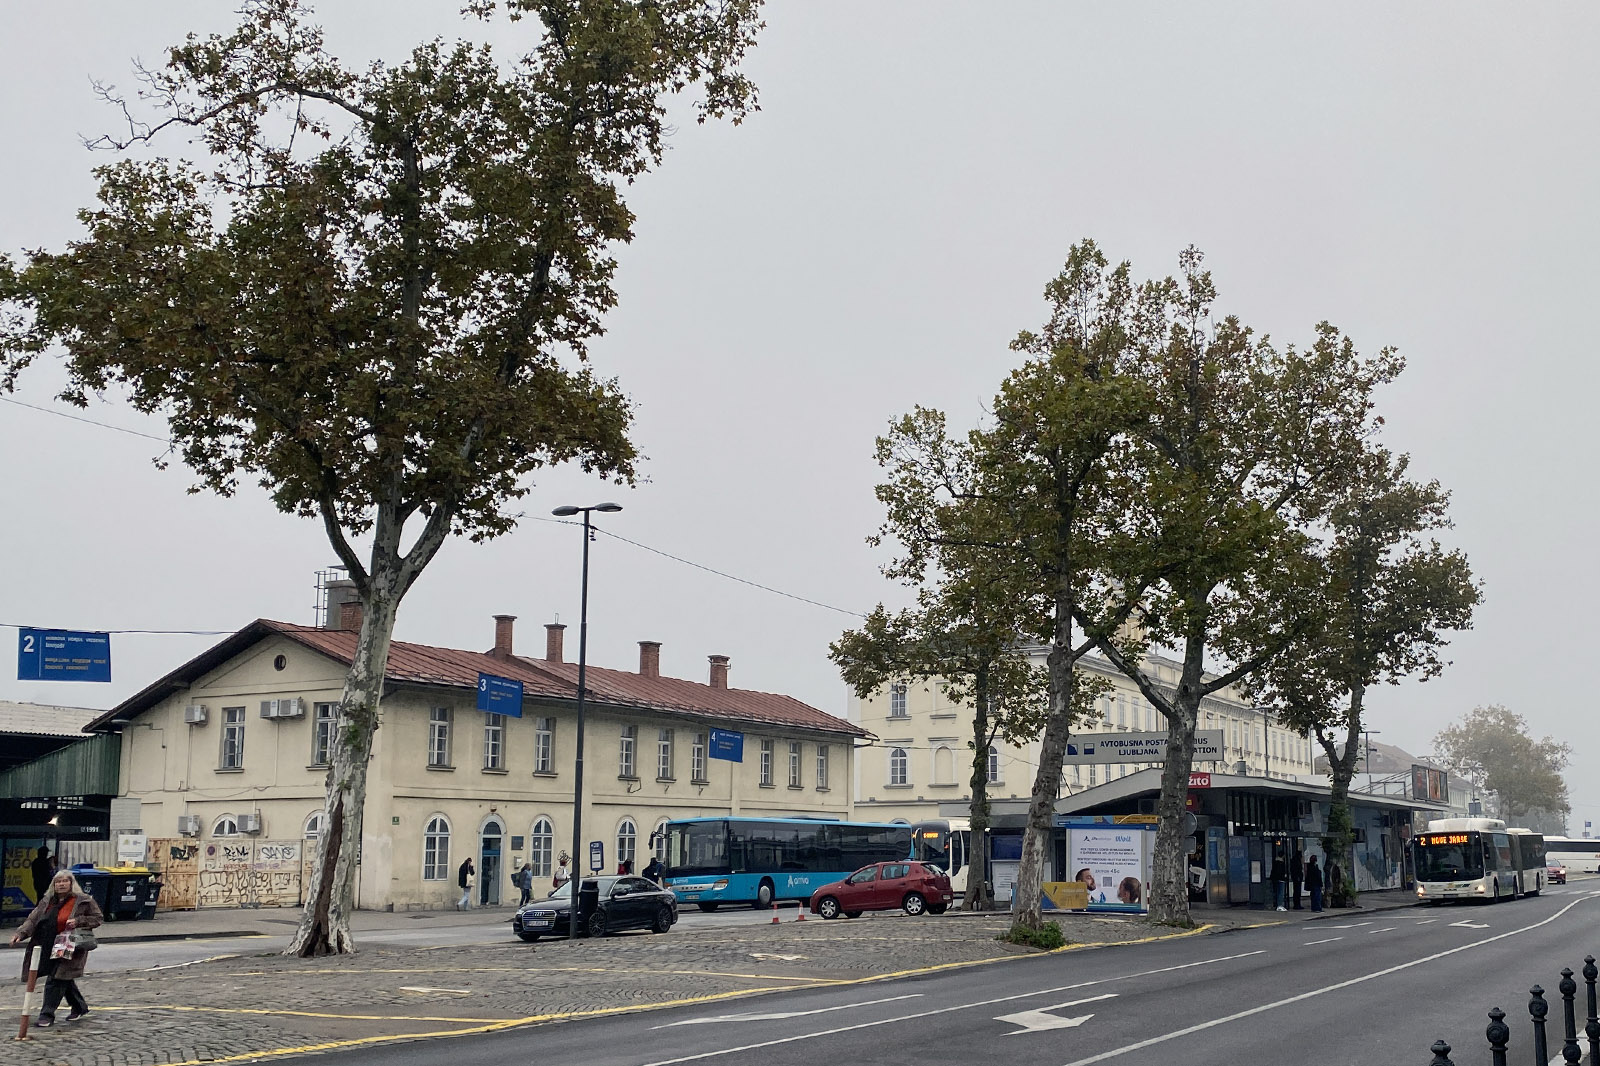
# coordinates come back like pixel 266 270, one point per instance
pixel 1169 875
pixel 1025 908
pixel 1340 843
pixel 977 897
pixel 330 896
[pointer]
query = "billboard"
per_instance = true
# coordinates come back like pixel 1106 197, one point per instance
pixel 1137 747
pixel 1430 784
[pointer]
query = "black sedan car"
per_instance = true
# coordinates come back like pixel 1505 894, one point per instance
pixel 605 905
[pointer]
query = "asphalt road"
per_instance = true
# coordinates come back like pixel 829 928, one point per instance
pixel 1369 989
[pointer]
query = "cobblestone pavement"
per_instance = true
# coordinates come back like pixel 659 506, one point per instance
pixel 265 1006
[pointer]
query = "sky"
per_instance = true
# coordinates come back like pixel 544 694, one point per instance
pixel 1423 176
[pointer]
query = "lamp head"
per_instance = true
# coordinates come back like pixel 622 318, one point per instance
pixel 565 512
pixel 608 508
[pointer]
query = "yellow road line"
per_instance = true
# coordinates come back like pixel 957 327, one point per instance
pixel 296 1013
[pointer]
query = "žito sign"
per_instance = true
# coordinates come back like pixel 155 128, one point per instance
pixel 63 655
pixel 499 695
pixel 1199 780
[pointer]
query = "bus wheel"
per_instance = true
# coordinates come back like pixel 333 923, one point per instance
pixel 707 907
pixel 763 896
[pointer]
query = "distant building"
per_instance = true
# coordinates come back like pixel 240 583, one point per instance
pixel 29 730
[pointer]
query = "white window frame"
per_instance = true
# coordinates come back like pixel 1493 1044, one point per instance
pixel 439 723
pixel 226 825
pixel 323 718
pixel 994 765
pixel 664 743
pixel 627 750
pixel 314 823
pixel 897 701
pixel 436 849
pixel 494 741
pixel 658 838
pixel 697 759
pixel 231 755
pixel 822 766
pixel 541 846
pixel 627 842
pixel 766 764
pixel 544 745
pixel 794 764
pixel 899 767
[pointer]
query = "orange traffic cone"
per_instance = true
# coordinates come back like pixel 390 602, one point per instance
pixel 800 915
pixel 775 918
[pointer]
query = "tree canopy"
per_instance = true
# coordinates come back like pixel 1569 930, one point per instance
pixel 1492 748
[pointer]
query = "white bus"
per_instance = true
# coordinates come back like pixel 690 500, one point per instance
pixel 1577 854
pixel 947 844
pixel 1477 859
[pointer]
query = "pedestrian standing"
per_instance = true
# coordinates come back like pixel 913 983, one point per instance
pixel 524 881
pixel 65 908
pixel 42 870
pixel 465 876
pixel 1297 876
pixel 656 870
pixel 1277 878
pixel 1314 883
pixel 563 871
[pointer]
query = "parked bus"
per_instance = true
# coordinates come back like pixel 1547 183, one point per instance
pixel 712 861
pixel 947 844
pixel 1577 854
pixel 1477 859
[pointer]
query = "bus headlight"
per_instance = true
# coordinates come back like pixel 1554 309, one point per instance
pixel 1479 889
pixel 1421 892
pixel 720 885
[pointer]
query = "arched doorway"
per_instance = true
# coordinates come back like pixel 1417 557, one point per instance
pixel 489 851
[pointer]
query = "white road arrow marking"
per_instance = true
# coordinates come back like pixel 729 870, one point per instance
pixel 1470 925
pixel 774 1016
pixel 1035 1021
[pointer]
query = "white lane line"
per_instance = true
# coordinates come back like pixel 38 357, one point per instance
pixel 1425 921
pixel 1385 929
pixel 947 1010
pixel 1314 943
pixel 774 1016
pixel 1352 925
pixel 1316 991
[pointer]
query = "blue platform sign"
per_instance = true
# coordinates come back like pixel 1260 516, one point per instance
pixel 597 855
pixel 499 695
pixel 726 744
pixel 63 655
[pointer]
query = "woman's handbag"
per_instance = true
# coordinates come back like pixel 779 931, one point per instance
pixel 82 939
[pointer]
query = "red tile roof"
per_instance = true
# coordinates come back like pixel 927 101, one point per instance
pixel 422 664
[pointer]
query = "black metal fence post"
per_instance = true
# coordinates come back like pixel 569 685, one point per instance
pixel 1441 1054
pixel 1499 1034
pixel 1538 1008
pixel 1571 1053
pixel 1592 1028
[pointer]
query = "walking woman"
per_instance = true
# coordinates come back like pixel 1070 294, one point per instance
pixel 66 907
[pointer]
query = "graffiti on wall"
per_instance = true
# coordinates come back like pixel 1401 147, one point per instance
pixel 177 860
pixel 248 873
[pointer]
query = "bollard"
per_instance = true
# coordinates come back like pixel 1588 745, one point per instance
pixel 1592 1028
pixel 1441 1054
pixel 775 918
pixel 1571 1054
pixel 29 997
pixel 1499 1034
pixel 1537 1009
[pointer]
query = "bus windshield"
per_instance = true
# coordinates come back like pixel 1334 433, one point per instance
pixel 1449 857
pixel 697 848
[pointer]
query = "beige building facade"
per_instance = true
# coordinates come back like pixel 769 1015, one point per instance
pixel 923 758
pixel 229 753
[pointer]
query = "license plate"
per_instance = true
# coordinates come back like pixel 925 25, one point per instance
pixel 538 923
pixel 691 896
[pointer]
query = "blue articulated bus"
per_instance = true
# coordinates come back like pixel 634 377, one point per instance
pixel 753 861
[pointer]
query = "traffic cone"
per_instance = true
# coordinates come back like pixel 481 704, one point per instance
pixel 775 918
pixel 800 914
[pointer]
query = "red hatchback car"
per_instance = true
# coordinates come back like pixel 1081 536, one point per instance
pixel 914 887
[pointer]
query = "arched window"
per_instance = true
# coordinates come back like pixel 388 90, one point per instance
pixel 944 769
pixel 897 766
pixel 994 765
pixel 314 823
pixel 436 849
pixel 226 826
pixel 627 841
pixel 541 842
pixel 658 840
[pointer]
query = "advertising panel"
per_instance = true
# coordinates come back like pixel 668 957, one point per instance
pixel 1112 864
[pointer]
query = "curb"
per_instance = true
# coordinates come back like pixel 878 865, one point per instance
pixel 148 938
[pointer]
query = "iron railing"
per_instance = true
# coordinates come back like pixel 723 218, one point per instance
pixel 1499 1033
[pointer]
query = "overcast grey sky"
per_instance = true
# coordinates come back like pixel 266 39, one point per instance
pixel 1424 176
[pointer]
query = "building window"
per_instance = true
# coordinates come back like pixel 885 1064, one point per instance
pixel 544 744
pixel 232 738
pixel 627 842
pixel 794 764
pixel 697 758
pixel 494 742
pixel 898 767
pixel 822 766
pixel 436 850
pixel 439 736
pixel 625 752
pixel 766 764
pixel 226 826
pixel 541 843
pixel 323 715
pixel 314 824
pixel 658 840
pixel 664 755
pixel 994 765
pixel 897 701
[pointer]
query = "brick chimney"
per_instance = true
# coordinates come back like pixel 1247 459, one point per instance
pixel 649 658
pixel 719 671
pixel 502 635
pixel 552 641
pixel 350 616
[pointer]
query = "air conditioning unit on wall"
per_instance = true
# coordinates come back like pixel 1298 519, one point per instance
pixel 250 823
pixel 189 825
pixel 292 707
pixel 196 714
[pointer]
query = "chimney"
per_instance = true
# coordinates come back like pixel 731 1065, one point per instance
pixel 719 671
pixel 552 641
pixel 649 658
pixel 350 615
pixel 502 635
pixel 339 592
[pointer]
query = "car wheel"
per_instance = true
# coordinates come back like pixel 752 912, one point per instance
pixel 528 937
pixel 828 907
pixel 763 896
pixel 707 907
pixel 914 904
pixel 852 914
pixel 597 924
pixel 663 921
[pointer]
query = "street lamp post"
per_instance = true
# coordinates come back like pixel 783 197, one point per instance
pixel 583 661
